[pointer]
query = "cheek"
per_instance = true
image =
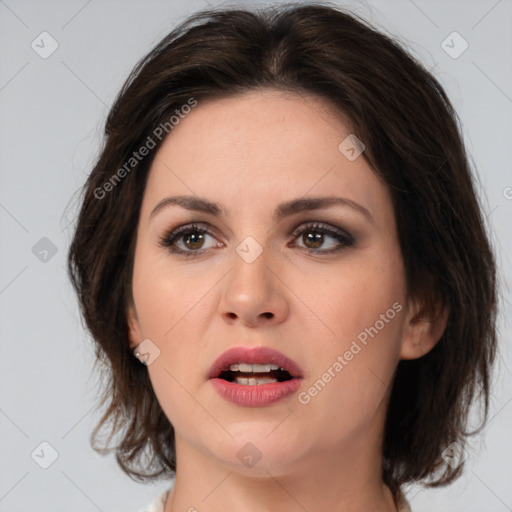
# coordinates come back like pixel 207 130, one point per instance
pixel 174 309
pixel 352 374
pixel 168 296
pixel 352 296
pixel 175 306
pixel 189 418
pixel 362 303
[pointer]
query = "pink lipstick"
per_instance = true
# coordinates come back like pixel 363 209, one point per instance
pixel 254 377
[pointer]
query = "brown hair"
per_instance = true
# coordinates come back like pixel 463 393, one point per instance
pixel 413 143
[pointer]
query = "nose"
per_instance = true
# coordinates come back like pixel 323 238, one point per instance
pixel 254 293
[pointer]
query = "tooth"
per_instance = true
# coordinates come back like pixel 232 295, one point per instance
pixel 253 368
pixel 254 381
pixel 265 380
pixel 260 368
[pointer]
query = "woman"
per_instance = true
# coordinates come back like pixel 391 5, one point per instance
pixel 282 228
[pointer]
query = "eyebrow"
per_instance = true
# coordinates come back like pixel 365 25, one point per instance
pixel 283 210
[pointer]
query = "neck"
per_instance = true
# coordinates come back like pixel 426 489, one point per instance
pixel 347 479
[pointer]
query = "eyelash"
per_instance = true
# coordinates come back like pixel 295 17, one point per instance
pixel 346 240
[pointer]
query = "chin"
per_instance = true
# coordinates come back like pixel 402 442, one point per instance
pixel 258 450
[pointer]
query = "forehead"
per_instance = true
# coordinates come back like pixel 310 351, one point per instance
pixel 259 148
pixel 262 124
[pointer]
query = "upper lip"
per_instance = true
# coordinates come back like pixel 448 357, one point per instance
pixel 254 355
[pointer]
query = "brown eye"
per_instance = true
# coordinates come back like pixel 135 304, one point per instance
pixel 323 239
pixel 194 240
pixel 312 239
pixel 189 240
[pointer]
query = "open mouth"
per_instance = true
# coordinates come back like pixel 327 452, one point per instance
pixel 254 374
pixel 254 366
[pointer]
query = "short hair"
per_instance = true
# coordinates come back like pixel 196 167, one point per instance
pixel 413 143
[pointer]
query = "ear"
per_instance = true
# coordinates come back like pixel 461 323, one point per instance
pixel 423 329
pixel 134 330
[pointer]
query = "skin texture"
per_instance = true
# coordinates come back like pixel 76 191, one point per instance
pixel 249 153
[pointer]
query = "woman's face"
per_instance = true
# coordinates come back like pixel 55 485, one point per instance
pixel 323 285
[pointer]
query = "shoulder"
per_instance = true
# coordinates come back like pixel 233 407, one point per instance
pixel 402 504
pixel 158 504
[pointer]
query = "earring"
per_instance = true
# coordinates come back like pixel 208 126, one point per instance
pixel 146 352
pixel 143 358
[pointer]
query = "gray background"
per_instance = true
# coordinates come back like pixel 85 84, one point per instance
pixel 52 113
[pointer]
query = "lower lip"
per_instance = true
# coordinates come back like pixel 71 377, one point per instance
pixel 255 396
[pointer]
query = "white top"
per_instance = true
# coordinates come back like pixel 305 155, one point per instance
pixel 159 503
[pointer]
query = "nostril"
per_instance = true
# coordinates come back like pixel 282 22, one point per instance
pixel 268 314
